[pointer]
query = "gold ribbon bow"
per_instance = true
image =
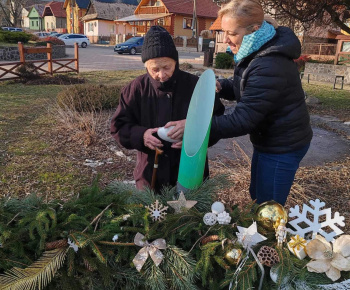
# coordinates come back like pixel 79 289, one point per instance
pixel 148 249
pixel 296 242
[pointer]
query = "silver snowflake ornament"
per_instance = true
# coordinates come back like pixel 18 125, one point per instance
pixel 157 211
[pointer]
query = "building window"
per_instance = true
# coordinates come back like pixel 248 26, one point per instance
pixel 37 23
pixel 187 23
pixel 32 22
pixel 90 27
pixel 154 3
pixel 160 21
pixel 111 28
pixel 52 25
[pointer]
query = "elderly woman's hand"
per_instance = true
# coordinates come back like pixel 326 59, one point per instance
pixel 150 141
pixel 178 131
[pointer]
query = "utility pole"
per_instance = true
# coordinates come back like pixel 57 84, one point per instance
pixel 72 2
pixel 194 22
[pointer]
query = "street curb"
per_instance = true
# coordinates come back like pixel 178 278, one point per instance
pixel 332 123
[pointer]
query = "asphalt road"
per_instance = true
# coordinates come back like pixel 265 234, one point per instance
pixel 94 58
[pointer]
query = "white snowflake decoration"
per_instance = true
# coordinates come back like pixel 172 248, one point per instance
pixel 210 219
pixel 224 218
pixel 315 226
pixel 157 211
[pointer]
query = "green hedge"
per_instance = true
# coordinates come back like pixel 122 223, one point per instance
pixel 14 37
pixel 224 60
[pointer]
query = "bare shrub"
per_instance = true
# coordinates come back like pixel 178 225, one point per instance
pixel 27 71
pixel 186 66
pixel 84 127
pixel 89 97
pixel 81 111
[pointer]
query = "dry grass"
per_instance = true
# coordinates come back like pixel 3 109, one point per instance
pixel 329 183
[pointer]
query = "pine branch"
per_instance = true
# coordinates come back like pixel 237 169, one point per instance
pixel 38 275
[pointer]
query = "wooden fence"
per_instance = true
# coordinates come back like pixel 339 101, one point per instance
pixel 53 65
pixel 342 57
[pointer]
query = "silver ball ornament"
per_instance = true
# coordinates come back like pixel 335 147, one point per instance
pixel 210 219
pixel 217 207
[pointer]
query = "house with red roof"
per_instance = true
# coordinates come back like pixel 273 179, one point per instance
pixel 174 15
pixel 55 17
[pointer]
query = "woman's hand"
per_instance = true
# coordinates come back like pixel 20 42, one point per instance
pixel 178 131
pixel 218 87
pixel 177 145
pixel 150 141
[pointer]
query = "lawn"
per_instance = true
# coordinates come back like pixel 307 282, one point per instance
pixel 333 102
pixel 38 155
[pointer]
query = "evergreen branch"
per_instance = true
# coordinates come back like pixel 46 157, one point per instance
pixel 37 275
pixel 115 244
pixel 13 219
pixel 201 238
pixel 97 218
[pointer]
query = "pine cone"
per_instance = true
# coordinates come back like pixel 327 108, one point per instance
pixel 268 256
pixel 209 239
pixel 56 244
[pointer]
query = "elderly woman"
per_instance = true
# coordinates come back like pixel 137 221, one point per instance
pixel 270 99
pixel 160 97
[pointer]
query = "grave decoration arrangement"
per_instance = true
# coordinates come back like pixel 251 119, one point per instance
pixel 122 238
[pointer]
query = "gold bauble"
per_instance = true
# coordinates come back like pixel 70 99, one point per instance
pixel 232 255
pixel 269 214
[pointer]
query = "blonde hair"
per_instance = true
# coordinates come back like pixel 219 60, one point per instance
pixel 246 12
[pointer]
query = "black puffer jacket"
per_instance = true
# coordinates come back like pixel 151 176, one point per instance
pixel 270 99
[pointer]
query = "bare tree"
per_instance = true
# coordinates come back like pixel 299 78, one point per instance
pixel 294 13
pixel 12 11
pixel 309 12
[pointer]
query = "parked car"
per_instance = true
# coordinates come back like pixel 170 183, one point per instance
pixel 13 29
pixel 70 39
pixel 41 34
pixel 56 35
pixel 132 46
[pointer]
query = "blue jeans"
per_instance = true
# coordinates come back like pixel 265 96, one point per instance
pixel 272 175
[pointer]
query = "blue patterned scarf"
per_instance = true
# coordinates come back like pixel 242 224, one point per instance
pixel 252 42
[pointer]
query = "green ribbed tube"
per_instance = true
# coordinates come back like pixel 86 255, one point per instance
pixel 196 135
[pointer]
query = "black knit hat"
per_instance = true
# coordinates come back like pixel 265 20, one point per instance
pixel 158 43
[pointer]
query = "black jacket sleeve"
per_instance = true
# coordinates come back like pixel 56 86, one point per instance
pixel 260 97
pixel 226 91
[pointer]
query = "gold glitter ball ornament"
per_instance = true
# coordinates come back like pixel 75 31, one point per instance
pixel 269 214
pixel 232 255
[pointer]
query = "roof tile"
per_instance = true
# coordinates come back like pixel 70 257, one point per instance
pixel 205 8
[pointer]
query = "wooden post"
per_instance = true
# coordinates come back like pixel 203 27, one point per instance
pixel 49 58
pixel 339 45
pixel 21 53
pixel 76 56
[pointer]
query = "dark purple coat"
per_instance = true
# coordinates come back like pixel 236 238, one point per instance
pixel 146 103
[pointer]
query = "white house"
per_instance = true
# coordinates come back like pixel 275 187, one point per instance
pixel 99 19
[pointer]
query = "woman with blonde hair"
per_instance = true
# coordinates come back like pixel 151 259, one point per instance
pixel 270 99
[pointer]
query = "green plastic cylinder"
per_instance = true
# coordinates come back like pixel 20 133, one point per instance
pixel 196 134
